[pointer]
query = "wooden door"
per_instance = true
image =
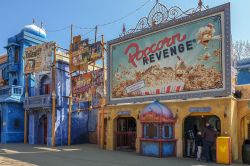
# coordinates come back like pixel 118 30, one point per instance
pixel 45 130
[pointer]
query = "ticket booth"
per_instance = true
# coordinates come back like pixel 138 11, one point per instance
pixel 158 138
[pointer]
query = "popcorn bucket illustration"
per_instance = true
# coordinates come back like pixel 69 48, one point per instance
pixel 169 88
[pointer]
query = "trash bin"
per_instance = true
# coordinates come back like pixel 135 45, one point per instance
pixel 246 152
pixel 223 150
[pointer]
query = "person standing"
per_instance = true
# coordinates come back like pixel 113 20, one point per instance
pixel 209 136
pixel 190 142
pixel 199 144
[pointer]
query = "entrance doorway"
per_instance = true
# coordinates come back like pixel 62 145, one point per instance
pixel 105 133
pixel 126 133
pixel 197 123
pixel 42 135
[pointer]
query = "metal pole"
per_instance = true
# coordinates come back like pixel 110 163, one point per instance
pixel 96 33
pixel 53 97
pixel 70 95
pixel 25 111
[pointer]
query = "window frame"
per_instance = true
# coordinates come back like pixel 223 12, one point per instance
pixel 145 126
pixel 170 129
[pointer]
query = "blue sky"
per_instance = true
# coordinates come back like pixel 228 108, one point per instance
pixel 57 14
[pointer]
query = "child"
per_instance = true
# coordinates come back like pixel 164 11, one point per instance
pixel 198 142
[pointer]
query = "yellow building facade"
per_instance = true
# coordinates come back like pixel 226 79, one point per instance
pixel 228 114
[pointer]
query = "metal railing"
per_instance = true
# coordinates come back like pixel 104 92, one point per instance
pixel 11 91
pixel 38 101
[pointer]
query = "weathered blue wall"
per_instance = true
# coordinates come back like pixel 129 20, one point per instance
pixel 12 125
pixel 243 76
pixel 150 148
pixel 92 121
pixel 79 125
pixel 61 121
pixel 11 107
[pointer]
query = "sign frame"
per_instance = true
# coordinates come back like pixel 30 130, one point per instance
pixel 224 10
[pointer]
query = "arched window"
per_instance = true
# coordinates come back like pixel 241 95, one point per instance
pixel 16 55
pixel 15 82
pixel 45 85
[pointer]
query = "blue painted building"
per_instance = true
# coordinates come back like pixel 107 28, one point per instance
pixel 38 104
pixel 13 81
pixel 243 67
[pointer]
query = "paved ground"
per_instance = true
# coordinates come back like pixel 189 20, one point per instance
pixel 81 155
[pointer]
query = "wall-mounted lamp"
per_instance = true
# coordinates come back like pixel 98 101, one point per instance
pixel 138 116
pixel 175 115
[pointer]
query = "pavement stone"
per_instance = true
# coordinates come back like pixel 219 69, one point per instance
pixel 83 155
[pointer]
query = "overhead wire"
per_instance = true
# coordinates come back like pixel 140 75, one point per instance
pixel 57 30
pixel 101 25
pixel 129 14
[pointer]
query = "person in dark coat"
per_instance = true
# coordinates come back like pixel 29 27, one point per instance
pixel 199 144
pixel 209 136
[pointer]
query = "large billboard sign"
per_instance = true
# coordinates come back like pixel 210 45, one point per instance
pixel 39 58
pixel 186 58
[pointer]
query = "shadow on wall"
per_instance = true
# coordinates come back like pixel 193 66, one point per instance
pixel 79 127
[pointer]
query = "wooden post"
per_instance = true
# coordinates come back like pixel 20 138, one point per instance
pixel 25 111
pixel 53 97
pixel 104 86
pixel 70 95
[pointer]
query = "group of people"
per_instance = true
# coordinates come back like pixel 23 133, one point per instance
pixel 198 141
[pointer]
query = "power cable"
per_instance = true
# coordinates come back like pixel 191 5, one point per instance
pixel 101 25
pixel 57 30
pixel 129 14
pixel 79 27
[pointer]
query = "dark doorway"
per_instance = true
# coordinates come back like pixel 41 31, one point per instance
pixel 126 133
pixel 45 85
pixel 42 135
pixel 248 130
pixel 105 133
pixel 197 123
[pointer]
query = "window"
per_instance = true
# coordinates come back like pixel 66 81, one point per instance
pixel 45 85
pixel 16 55
pixel 15 82
pixel 46 88
pixel 151 131
pixel 16 123
pixel 167 132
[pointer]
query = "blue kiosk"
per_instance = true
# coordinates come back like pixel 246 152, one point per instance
pixel 157 131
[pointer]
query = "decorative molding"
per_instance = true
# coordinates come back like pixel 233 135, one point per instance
pixel 160 13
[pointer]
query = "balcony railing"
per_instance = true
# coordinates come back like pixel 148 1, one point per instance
pixel 41 101
pixel 13 67
pixel 14 91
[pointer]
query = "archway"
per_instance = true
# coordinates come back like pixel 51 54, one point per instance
pixel 125 133
pixel 244 131
pixel 42 130
pixel 15 82
pixel 45 85
pixel 197 123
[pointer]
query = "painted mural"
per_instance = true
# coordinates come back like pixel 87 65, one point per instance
pixel 39 58
pixel 87 86
pixel 182 59
pixel 83 52
pixel 81 87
